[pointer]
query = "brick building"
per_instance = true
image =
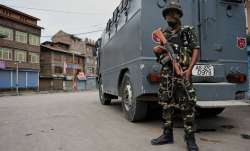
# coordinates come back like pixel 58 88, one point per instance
pixel 90 54
pixel 85 47
pixel 73 43
pixel 58 66
pixel 63 58
pixel 19 47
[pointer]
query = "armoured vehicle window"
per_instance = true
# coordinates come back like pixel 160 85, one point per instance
pixel 108 25
pixel 125 4
pixel 98 43
pixel 120 7
pixel 115 15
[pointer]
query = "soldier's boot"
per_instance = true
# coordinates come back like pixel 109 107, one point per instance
pixel 191 143
pixel 166 138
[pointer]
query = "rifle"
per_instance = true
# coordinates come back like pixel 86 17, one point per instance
pixel 165 47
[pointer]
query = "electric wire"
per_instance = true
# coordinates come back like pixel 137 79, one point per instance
pixel 77 34
pixel 57 11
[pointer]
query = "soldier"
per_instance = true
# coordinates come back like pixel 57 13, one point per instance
pixel 176 91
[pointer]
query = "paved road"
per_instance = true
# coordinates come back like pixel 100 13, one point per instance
pixel 77 122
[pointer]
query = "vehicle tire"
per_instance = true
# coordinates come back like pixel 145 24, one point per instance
pixel 104 98
pixel 208 112
pixel 134 110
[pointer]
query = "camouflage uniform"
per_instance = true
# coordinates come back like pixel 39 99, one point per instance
pixel 177 92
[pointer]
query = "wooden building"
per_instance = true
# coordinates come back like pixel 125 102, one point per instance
pixel 59 66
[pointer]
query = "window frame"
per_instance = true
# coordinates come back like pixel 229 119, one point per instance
pixel 115 15
pixel 32 54
pixel 24 58
pixel 10 54
pixel 121 7
pixel 34 36
pixel 108 25
pixel 125 4
pixel 10 36
pixel 90 70
pixel 18 39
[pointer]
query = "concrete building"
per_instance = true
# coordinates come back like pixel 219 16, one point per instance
pixel 59 67
pixel 19 48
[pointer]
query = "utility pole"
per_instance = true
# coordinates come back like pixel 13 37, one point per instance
pixel 73 63
pixel 17 78
pixel 74 81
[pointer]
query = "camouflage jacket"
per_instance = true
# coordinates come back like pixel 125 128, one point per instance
pixel 183 43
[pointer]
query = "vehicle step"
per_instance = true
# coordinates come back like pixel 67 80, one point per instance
pixel 224 103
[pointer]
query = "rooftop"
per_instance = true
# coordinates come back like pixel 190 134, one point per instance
pixel 18 16
pixel 49 45
pixel 63 34
pixel 19 12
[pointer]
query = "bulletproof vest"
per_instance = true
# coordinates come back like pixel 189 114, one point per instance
pixel 179 43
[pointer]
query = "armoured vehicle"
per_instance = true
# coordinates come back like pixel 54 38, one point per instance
pixel 127 67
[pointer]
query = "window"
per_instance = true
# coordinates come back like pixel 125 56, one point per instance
pixel 20 56
pixel 120 7
pixel 90 70
pixel 6 32
pixel 34 57
pixel 109 25
pixel 58 70
pixel 125 4
pixel 34 40
pixel 21 37
pixel 5 54
pixel 115 15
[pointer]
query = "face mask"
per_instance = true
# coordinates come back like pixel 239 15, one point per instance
pixel 172 24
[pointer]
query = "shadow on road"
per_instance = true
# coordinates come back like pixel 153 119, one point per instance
pixel 212 124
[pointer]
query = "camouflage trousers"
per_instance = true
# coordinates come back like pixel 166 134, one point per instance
pixel 176 92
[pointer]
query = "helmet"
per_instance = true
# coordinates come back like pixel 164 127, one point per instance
pixel 172 5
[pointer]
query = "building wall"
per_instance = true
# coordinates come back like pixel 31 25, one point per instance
pixel 17 15
pixel 91 65
pixel 76 44
pixel 13 45
pixel 84 47
pixel 45 62
pixel 53 63
pixel 73 46
pixel 28 71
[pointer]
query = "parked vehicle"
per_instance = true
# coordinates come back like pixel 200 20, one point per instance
pixel 127 66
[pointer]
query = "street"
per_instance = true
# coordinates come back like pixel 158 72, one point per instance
pixel 78 122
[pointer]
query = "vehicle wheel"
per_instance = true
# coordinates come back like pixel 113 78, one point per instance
pixel 208 112
pixel 104 98
pixel 134 110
